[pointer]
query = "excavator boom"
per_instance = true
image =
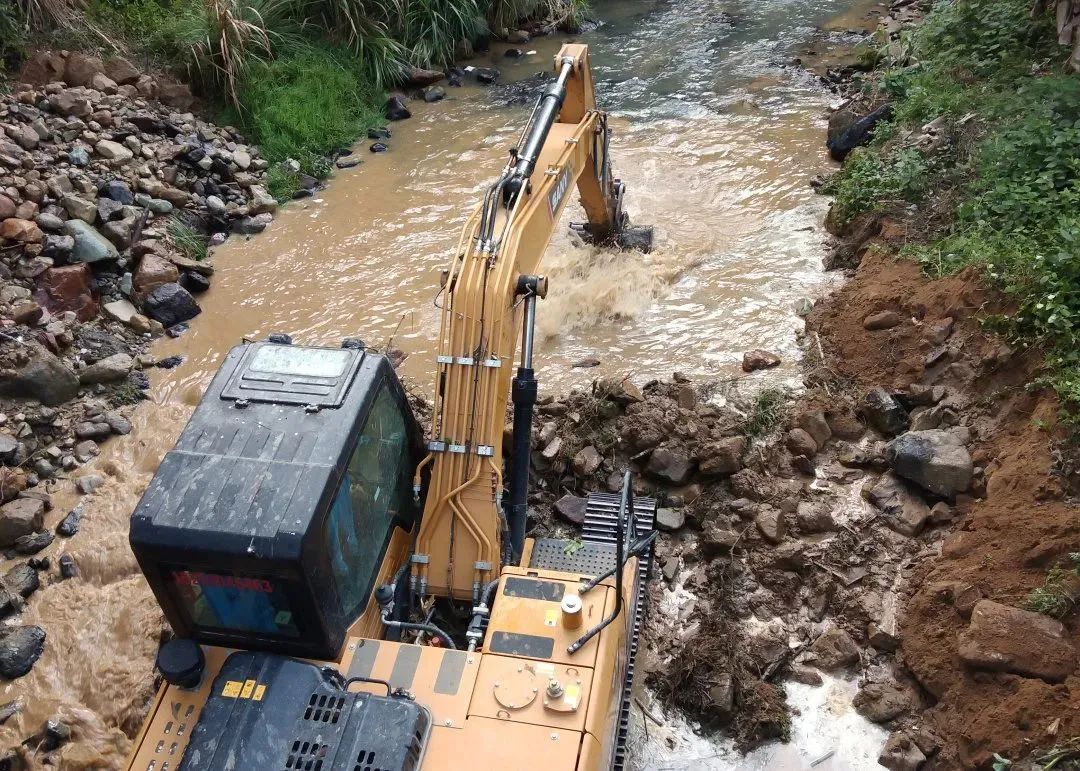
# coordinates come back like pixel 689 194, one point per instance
pixel 488 303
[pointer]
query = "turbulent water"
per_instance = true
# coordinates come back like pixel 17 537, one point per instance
pixel 716 140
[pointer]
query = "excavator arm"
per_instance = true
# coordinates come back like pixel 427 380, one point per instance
pixel 488 302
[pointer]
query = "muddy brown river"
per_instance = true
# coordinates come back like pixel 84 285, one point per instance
pixel 717 142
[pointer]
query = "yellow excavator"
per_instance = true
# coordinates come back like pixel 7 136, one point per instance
pixel 345 597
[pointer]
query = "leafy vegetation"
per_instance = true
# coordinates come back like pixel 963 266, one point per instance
pixel 188 242
pixel 1001 190
pixel 1058 595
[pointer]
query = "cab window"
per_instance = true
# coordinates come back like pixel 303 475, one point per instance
pixel 375 494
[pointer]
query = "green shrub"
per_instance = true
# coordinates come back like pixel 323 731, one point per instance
pixel 307 106
pixel 160 30
pixel 874 177
pixel 12 38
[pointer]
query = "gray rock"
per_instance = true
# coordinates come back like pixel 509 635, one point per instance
pixel 171 304
pixel 771 524
pixel 118 423
pixel 69 525
pixel 58 246
pixel 45 378
pixel 9 445
pixel 249 226
pixel 22 580
pixel 86 450
pixel 934 459
pixel 80 208
pixel 33 542
pixel 49 222
pixel 113 151
pixel 159 206
pixel 92 429
pixel 90 246
pixel 884 412
pixel 68 567
pixel 571 508
pixel 20 517
pixel 107 370
pixel 669 520
pixel 20 648
pixel 89 483
pixel 79 156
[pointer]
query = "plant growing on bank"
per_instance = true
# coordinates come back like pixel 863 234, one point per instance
pixel 1002 191
pixel 189 243
pixel 765 414
pixel 1058 595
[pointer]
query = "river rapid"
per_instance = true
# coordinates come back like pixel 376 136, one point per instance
pixel 717 140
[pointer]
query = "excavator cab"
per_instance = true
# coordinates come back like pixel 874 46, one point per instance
pixel 266 525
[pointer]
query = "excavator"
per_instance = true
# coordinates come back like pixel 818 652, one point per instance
pixel 345 596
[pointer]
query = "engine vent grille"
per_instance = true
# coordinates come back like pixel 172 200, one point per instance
pixel 324 709
pixel 305 756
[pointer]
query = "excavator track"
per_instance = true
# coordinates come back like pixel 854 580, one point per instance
pixel 601 517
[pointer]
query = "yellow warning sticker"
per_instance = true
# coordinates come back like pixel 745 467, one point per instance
pixel 551 617
pixel 249 686
pixel 231 689
pixel 259 691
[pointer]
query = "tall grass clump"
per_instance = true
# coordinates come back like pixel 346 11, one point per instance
pixel 1003 192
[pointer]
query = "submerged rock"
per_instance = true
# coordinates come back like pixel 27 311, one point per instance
pixel 759 359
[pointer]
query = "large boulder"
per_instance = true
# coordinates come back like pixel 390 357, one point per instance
pixel 935 460
pixel 18 518
pixel 44 378
pixel 1007 639
pixel 71 103
pixel 107 370
pixel 121 70
pixel 902 509
pixel 153 271
pixel 881 702
pixel 722 457
pixel 171 304
pixel 81 69
pixel 90 246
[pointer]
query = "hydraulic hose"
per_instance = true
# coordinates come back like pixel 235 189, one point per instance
pixel 430 629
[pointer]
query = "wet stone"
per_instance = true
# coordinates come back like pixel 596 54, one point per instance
pixel 33 543
pixel 68 567
pixel 759 359
pixel 834 649
pixel 69 525
pixel 22 580
pixel 89 483
pixel 20 648
pixel 18 518
pixel 884 412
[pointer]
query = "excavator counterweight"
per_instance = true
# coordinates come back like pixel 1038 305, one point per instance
pixel 347 598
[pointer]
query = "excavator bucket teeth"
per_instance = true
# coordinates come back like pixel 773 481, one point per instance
pixel 636 238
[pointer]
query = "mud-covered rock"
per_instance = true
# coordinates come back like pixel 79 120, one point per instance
pixel 1007 639
pixel 759 359
pixel 670 465
pixel 722 457
pixel 814 518
pixel 813 422
pixel 881 702
pixel 934 459
pixel 771 524
pixel 834 649
pixel 799 442
pixel 902 509
pixel 901 753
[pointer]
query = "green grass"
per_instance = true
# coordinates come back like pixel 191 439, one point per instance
pixel 1003 192
pixel 307 106
pixel 765 414
pixel 191 244
pixel 159 31
pixel 1055 597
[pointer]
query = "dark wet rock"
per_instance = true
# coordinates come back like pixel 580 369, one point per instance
pixel 1006 639
pixel 69 525
pixel 170 362
pixel 378 147
pixel 348 163
pixel 572 509
pixel 378 133
pixel 22 580
pixel 858 133
pixel 834 649
pixel 587 363
pixel 33 543
pixel 54 734
pixel 250 226
pixel 196 283
pixel 19 518
pixel 881 702
pixel 415 77
pixel 92 429
pixel 396 109
pixel 935 460
pixel 8 447
pixel 171 304
pixel 434 94
pixel 486 75
pixel 902 509
pixel 9 710
pixel 884 412
pixel 118 423
pixel 68 567
pixel 20 648
pixel 759 359
pixel 45 378
pixel 670 465
pixel 814 518
pixel 513 53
